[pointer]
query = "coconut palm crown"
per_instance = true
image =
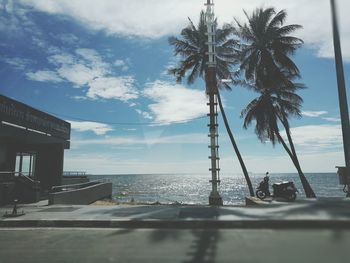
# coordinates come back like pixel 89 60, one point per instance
pixel 267 46
pixel 273 105
pixel 193 47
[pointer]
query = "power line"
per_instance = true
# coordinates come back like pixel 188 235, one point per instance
pixel 128 123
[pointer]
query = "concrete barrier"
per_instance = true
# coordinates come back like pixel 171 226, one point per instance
pixel 74 180
pixel 254 201
pixel 82 196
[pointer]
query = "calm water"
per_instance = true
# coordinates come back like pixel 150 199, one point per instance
pixel 195 189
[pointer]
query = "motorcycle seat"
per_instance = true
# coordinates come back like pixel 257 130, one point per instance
pixel 284 183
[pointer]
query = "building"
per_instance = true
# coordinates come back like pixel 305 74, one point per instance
pixel 32 145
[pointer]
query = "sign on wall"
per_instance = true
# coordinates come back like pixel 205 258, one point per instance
pixel 23 115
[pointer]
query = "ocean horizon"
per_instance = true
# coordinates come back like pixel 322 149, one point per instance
pixel 184 188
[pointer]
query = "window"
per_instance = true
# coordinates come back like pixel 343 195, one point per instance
pixel 25 164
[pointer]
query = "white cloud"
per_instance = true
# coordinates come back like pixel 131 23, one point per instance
pixel 174 102
pixel 331 119
pixel 97 128
pixel 79 97
pixel 157 18
pixel 119 62
pixel 79 69
pixel 152 19
pixel 144 114
pixel 69 39
pixel 78 74
pixel 110 163
pixel 317 138
pixel 314 113
pixel 61 59
pixel 121 88
pixel 310 162
pixel 124 65
pixel 90 55
pixel 18 63
pixel 7 6
pixel 191 138
pixel 44 76
pixel 86 68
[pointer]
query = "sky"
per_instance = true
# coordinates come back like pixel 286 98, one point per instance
pixel 102 66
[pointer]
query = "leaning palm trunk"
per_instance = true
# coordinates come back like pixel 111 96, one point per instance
pixel 307 187
pixel 244 169
pixel 292 154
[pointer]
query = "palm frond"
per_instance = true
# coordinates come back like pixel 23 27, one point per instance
pixel 285 30
pixel 278 19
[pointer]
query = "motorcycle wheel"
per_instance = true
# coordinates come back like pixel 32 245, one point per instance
pixel 291 197
pixel 260 194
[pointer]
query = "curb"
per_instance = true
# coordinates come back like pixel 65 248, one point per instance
pixel 170 224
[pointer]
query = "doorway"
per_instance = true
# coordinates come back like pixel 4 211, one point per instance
pixel 25 164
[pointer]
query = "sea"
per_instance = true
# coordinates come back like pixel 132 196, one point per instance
pixel 195 188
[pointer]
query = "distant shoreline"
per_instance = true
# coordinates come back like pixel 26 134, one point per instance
pixel 222 174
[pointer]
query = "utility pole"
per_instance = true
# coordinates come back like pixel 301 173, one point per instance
pixel 211 89
pixel 343 102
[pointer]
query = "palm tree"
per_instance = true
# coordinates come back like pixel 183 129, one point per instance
pixel 192 47
pixel 266 47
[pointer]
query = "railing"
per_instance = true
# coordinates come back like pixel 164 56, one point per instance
pixel 27 178
pixel 7 176
pixel 10 176
pixel 16 173
pixel 20 179
pixel 70 187
pixel 74 174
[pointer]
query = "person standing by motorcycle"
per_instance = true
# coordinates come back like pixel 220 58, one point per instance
pixel 265 182
pixel 263 190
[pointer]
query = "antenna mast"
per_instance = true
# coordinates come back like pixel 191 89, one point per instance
pixel 211 89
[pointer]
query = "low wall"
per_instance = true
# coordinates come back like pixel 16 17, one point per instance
pixel 7 192
pixel 74 180
pixel 82 196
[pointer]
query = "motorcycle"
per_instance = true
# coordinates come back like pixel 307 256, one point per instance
pixel 263 189
pixel 285 190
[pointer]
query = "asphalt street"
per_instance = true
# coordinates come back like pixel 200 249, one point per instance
pixel 173 245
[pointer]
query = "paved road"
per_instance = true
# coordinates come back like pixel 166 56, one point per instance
pixel 170 245
pixel 311 211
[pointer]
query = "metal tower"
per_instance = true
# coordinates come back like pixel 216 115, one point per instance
pixel 211 89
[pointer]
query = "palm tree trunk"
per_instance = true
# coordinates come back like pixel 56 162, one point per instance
pixel 228 129
pixel 306 186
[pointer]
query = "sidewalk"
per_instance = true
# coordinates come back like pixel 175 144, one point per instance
pixel 311 213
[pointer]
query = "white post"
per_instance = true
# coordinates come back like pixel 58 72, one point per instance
pixel 211 89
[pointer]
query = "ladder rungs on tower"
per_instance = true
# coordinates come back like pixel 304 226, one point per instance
pixel 210 53
pixel 211 43
pixel 215 181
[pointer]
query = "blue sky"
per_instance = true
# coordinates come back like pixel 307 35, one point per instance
pixel 101 65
